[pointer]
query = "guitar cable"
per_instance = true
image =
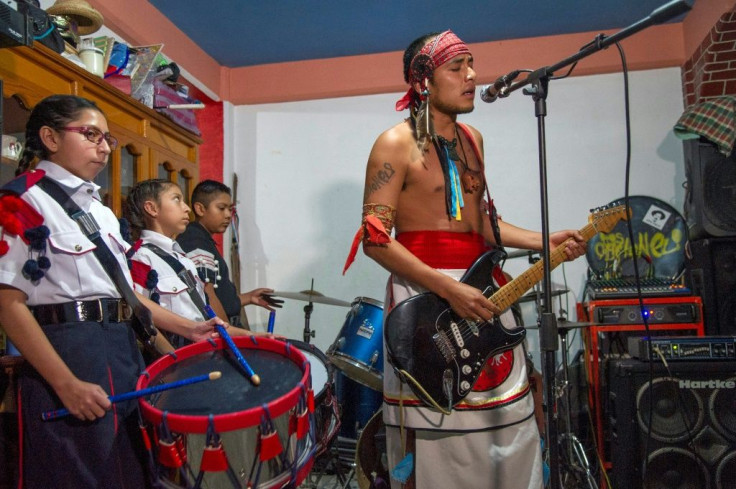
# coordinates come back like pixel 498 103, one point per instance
pixel 408 378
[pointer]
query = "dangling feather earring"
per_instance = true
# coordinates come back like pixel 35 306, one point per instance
pixel 422 68
pixel 424 128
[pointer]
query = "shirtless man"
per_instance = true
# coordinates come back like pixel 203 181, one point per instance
pixel 426 179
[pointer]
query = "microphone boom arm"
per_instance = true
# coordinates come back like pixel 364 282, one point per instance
pixel 658 16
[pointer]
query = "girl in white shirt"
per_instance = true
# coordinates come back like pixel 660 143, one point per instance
pixel 157 212
pixel 63 311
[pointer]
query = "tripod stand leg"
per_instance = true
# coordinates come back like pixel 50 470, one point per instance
pixel 576 470
pixel 583 461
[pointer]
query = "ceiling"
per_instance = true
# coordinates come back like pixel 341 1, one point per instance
pixel 238 33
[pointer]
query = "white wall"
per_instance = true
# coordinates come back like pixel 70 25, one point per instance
pixel 301 167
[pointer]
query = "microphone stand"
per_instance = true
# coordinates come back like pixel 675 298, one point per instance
pixel 538 90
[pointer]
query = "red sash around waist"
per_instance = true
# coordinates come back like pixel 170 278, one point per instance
pixel 444 249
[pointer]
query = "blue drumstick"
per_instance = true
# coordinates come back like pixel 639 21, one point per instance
pixel 60 413
pixel 271 320
pixel 234 349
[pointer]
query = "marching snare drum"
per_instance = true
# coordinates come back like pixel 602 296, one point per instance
pixel 358 349
pixel 229 433
pixel 326 414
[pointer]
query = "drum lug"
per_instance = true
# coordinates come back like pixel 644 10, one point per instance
pixel 374 358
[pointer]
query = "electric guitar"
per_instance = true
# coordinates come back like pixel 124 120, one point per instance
pixel 444 354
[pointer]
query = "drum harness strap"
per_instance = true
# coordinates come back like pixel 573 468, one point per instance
pixel 184 274
pixel 142 322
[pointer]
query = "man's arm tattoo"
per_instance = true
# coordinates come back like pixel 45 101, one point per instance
pixel 381 178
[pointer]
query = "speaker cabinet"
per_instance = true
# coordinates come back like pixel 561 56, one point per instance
pixel 711 273
pixel 710 203
pixel 677 431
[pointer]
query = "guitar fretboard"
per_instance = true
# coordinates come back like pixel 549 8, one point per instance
pixel 512 291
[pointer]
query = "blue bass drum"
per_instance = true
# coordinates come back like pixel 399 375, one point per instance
pixel 358 348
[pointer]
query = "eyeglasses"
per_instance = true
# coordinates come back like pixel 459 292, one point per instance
pixel 94 135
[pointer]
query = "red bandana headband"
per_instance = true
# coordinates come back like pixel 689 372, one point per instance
pixel 434 54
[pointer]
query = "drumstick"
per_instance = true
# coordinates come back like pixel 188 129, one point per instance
pixel 271 320
pixel 234 349
pixel 60 413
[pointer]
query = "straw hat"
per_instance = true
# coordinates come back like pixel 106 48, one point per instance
pixel 87 18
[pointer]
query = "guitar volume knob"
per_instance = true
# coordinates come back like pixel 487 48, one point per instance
pixel 467 369
pixel 465 385
pixel 464 353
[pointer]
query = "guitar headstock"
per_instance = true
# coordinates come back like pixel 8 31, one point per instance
pixel 604 219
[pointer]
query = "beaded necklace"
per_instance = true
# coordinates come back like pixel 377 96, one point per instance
pixel 471 180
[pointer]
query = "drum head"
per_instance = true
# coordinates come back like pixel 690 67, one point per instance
pixel 233 400
pixel 321 368
pixel 660 233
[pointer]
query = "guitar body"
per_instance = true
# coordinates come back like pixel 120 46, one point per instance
pixel 440 355
pixel 443 353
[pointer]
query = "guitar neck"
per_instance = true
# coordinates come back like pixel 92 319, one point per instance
pixel 512 291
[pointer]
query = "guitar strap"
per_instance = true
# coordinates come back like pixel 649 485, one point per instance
pixel 184 274
pixel 142 322
pixel 492 213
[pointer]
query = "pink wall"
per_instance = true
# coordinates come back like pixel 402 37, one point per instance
pixel 380 73
pixel 140 23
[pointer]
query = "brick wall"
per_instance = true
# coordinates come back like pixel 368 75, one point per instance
pixel 711 70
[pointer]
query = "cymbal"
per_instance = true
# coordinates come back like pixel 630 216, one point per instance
pixel 311 296
pixel 532 296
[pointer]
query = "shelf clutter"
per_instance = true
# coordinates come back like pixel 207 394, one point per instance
pixel 142 72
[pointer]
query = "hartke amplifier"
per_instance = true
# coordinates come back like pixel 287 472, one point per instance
pixel 677 431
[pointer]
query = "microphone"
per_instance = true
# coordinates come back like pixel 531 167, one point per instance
pixel 499 88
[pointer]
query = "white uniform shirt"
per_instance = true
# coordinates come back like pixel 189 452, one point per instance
pixel 75 272
pixel 171 289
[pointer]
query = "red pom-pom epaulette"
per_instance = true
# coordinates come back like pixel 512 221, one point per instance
pixel 139 271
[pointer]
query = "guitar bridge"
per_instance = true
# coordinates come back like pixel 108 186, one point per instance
pixel 444 345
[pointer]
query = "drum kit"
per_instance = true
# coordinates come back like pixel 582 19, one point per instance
pixel 313 413
pixel 303 421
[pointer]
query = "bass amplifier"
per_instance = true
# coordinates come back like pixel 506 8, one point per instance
pixel 684 348
pixel 675 430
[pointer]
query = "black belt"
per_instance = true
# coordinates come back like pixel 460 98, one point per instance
pixel 99 310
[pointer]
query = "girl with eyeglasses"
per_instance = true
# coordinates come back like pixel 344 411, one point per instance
pixel 64 313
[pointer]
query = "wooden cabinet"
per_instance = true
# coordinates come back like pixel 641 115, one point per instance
pixel 151 145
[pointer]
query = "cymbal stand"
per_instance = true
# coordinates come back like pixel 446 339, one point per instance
pixel 574 461
pixel 330 461
pixel 308 334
